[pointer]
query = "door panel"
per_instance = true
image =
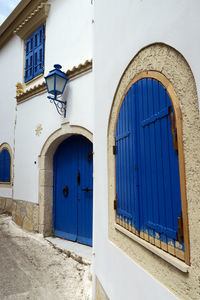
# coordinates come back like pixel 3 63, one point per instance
pixel 72 173
pixel 85 197
pixel 65 169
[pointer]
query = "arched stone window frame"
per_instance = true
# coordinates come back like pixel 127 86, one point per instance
pixel 165 64
pixel 8 148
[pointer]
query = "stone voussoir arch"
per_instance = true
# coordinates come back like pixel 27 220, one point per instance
pixel 45 162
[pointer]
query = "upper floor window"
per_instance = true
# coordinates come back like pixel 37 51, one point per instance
pixel 34 54
pixel 5 164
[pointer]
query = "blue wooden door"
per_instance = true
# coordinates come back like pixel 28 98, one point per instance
pixel 73 190
pixel 147 169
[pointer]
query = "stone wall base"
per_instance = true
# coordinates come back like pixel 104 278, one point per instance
pixel 100 293
pixel 25 214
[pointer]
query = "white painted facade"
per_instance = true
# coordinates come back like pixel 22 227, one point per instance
pixel 121 30
pixel 69 33
pixel 79 112
pixel 69 48
pixel 12 67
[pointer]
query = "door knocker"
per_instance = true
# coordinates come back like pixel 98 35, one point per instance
pixel 65 191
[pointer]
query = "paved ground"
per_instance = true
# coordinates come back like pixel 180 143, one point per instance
pixel 31 268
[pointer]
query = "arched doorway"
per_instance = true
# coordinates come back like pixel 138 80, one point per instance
pixel 45 162
pixel 73 190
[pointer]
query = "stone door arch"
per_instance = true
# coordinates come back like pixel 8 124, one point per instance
pixel 46 173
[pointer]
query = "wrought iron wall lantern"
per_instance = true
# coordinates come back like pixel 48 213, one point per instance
pixel 56 81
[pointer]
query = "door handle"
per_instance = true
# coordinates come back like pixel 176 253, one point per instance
pixel 79 178
pixel 65 191
pixel 87 189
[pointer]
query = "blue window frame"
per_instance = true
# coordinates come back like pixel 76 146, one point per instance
pixel 147 168
pixel 4 166
pixel 34 54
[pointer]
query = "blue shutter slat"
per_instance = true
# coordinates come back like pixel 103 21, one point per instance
pixel 166 205
pixel 175 181
pixel 133 153
pixel 155 183
pixel 127 174
pixel 159 169
pixel 162 197
pixel 166 169
pixel 125 166
pixel 150 151
pixel 151 103
pixel 146 158
pixel 140 96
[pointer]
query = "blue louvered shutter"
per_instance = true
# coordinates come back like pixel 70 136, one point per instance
pixel 39 51
pixel 29 59
pixel 34 60
pixel 126 164
pixel 160 197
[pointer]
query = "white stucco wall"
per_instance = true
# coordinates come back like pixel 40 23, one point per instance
pixel 68 42
pixel 39 110
pixel 10 61
pixel 29 114
pixel 121 30
pixel 68 33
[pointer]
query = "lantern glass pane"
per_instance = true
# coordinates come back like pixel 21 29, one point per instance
pixel 60 83
pixel 50 83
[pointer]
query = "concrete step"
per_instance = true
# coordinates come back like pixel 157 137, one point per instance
pixel 79 252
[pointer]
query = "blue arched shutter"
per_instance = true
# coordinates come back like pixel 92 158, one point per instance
pixel 5 166
pixel 147 169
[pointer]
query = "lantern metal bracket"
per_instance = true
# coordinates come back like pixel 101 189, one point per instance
pixel 56 81
pixel 59 104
